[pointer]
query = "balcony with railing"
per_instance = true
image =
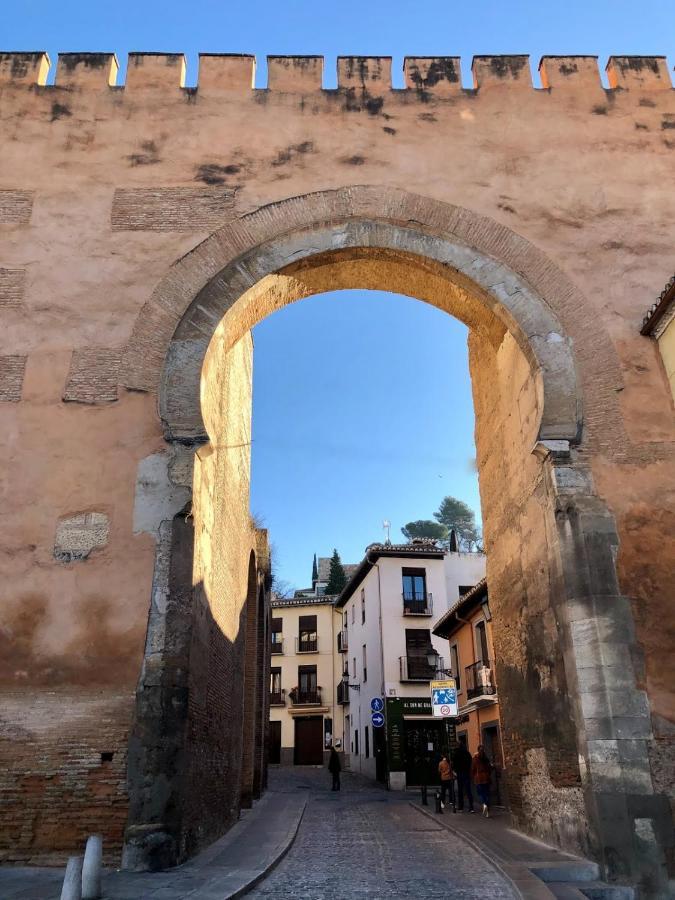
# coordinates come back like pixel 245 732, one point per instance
pixel 305 644
pixel 277 645
pixel 342 641
pixel 305 698
pixel 417 668
pixel 479 681
pixel 418 605
pixel 278 698
pixel 343 692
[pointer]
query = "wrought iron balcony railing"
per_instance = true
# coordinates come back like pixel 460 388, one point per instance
pixel 480 680
pixel 417 668
pixel 342 641
pixel 305 698
pixel 278 698
pixel 414 605
pixel 306 645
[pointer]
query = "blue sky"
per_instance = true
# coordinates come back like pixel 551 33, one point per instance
pixel 362 406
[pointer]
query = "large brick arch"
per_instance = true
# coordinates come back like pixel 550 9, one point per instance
pixel 516 282
pixel 551 540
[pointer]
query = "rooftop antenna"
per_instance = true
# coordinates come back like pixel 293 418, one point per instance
pixel 386 524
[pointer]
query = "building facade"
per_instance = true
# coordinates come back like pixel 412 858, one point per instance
pixel 467 628
pixel 303 681
pixel 387 609
pixel 659 323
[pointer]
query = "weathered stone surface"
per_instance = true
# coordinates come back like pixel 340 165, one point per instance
pixel 77 536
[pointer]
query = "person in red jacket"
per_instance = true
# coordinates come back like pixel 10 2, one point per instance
pixel 481 774
pixel 447 777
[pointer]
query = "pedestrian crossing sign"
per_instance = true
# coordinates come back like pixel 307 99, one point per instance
pixel 444 698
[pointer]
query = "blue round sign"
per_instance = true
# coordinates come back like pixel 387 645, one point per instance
pixel 377 704
pixel 377 719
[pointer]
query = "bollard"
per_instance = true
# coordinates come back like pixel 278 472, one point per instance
pixel 439 808
pixel 72 882
pixel 425 802
pixel 91 868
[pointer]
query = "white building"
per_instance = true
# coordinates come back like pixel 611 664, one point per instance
pixel 388 609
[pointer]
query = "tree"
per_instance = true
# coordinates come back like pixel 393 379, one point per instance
pixel 457 515
pixel 337 577
pixel 315 572
pixel 425 528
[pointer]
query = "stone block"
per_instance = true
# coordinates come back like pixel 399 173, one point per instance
pixel 77 536
pixel 225 72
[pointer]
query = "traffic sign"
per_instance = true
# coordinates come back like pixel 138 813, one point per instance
pixel 377 704
pixel 444 698
pixel 377 719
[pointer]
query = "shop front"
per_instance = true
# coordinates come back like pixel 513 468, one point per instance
pixel 415 742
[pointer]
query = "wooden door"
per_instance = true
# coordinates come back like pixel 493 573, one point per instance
pixel 309 741
pixel 275 743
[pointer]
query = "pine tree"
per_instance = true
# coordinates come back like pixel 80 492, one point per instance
pixel 337 578
pixel 315 572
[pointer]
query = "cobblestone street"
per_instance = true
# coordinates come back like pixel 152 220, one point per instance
pixel 366 842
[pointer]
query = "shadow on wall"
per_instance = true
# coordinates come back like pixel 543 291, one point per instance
pixel 187 744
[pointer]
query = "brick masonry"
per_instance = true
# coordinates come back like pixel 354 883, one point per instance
pixel 16 207
pixel 93 376
pixel 12 286
pixel 12 370
pixel 171 209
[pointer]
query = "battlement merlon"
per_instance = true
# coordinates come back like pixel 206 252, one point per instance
pixel 438 76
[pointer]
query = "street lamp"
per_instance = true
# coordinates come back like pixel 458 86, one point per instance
pixel 432 660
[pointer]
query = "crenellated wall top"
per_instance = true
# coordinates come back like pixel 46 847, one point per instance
pixel 436 76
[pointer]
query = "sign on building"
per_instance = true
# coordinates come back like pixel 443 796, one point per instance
pixel 444 698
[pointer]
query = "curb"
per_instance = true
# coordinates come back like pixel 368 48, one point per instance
pixel 245 888
pixel 532 887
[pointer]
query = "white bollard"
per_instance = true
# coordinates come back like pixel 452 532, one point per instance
pixel 91 868
pixel 72 883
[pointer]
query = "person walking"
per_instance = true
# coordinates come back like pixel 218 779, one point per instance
pixel 481 772
pixel 447 777
pixel 334 768
pixel 461 763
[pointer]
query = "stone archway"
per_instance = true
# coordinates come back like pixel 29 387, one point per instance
pixel 562 621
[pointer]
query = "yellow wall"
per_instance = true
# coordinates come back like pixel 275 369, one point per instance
pixel 327 623
pixel 667 348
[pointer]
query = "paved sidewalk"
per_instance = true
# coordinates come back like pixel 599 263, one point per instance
pixel 228 868
pixel 536 870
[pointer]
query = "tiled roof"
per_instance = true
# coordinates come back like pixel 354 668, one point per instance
pixel 474 596
pixel 659 309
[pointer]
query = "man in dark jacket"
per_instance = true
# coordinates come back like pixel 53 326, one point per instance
pixel 461 763
pixel 334 768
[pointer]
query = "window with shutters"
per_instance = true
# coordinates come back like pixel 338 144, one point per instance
pixel 277 636
pixel 417 646
pixel 307 637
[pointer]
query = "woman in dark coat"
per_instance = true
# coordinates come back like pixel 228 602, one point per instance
pixel 334 768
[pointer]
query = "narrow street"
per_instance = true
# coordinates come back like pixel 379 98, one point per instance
pixel 367 842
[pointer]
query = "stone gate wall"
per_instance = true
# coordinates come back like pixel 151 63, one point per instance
pixel 104 189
